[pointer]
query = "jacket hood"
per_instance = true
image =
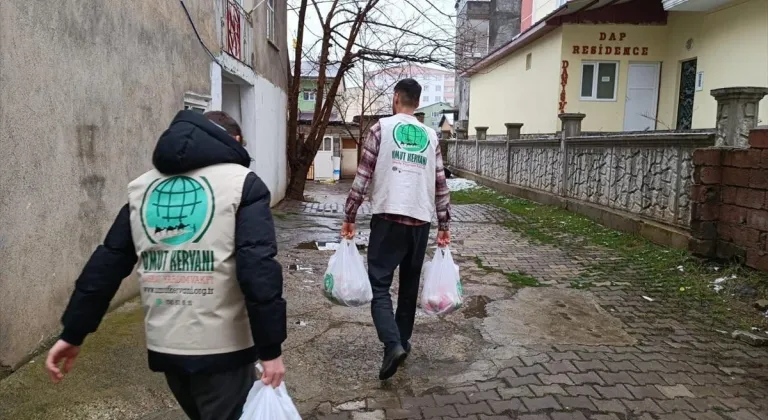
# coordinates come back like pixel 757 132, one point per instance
pixel 193 142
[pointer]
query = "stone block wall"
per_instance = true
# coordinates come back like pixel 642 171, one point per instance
pixel 730 202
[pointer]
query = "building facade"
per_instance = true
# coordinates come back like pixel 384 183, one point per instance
pixel 631 65
pixel 436 85
pixel 86 90
pixel 434 113
pixel 481 26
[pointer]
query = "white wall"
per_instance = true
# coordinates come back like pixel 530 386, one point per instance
pixel 231 102
pixel 264 127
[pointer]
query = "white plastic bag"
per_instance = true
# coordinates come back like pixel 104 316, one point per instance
pixel 346 280
pixel 267 403
pixel 442 293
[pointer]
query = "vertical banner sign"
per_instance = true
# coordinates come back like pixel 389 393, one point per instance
pixel 563 84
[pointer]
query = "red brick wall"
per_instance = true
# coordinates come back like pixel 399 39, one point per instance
pixel 729 217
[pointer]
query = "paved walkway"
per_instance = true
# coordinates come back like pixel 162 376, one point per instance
pixel 533 353
pixel 553 352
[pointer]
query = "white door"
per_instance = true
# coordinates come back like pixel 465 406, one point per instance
pixel 642 96
pixel 324 160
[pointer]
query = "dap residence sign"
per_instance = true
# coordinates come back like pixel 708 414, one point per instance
pixel 610 49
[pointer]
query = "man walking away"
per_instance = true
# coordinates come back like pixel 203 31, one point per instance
pixel 402 160
pixel 200 227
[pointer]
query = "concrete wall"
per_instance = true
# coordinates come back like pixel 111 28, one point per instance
pixel 271 58
pixel 731 48
pixel 507 92
pixel 85 90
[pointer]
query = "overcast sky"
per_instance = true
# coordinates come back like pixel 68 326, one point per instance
pixel 434 16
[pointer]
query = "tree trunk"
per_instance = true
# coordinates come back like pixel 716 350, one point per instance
pixel 298 181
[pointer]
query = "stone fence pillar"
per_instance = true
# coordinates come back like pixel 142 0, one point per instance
pixel 482 133
pixel 513 133
pixel 571 128
pixel 462 129
pixel 737 112
pixel 513 130
pixel 572 124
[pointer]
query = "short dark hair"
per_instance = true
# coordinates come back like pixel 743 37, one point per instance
pixel 226 122
pixel 410 92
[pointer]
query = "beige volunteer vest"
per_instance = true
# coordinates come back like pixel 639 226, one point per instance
pixel 184 231
pixel 404 178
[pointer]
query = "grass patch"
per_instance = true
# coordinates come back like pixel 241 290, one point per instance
pixel 668 275
pixel 517 278
pixel 279 215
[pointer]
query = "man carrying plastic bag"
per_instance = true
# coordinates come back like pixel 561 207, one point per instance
pixel 346 281
pixel 402 159
pixel 442 292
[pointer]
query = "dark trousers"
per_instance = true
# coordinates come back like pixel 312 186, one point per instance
pixel 391 245
pixel 217 396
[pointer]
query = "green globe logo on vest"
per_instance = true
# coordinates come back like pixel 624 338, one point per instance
pixel 176 210
pixel 412 140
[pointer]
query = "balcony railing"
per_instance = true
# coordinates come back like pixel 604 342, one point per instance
pixel 236 31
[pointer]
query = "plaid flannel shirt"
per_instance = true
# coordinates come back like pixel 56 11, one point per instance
pixel 365 171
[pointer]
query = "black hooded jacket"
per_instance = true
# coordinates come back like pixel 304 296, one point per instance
pixel 193 142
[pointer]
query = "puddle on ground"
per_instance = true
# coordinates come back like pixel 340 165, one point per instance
pixel 325 246
pixel 474 307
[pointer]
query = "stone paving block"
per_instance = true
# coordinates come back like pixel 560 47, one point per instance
pixel 571 415
pixel 705 416
pixel 706 379
pixel 676 366
pixel 643 406
pixel 618 357
pixel 604 417
pixel 370 415
pixel 542 403
pixel 417 402
pixel 645 391
pixel 399 413
pixel 458 398
pixel 535 360
pixel 614 378
pixel 616 391
pixel 520 391
pixel 650 378
pixel 448 410
pixel 576 403
pixel 521 381
pixel 586 378
pixel 621 366
pixel 652 356
pixel 514 404
pixel 677 378
pixel 540 391
pixel 530 370
pixel 487 417
pixel 588 365
pixel 340 416
pixel 742 415
pixel 737 403
pixel 479 408
pixel 673 416
pixel 576 391
pixel 678 404
pixel 675 391
pixel 702 391
pixel 703 368
pixel 566 355
pixel 609 406
pixel 592 356
pixel 474 397
pixel 534 417
pixel 488 385
pixel 652 366
pixel 508 373
pixel 561 379
pixel 560 367
pixel 706 404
